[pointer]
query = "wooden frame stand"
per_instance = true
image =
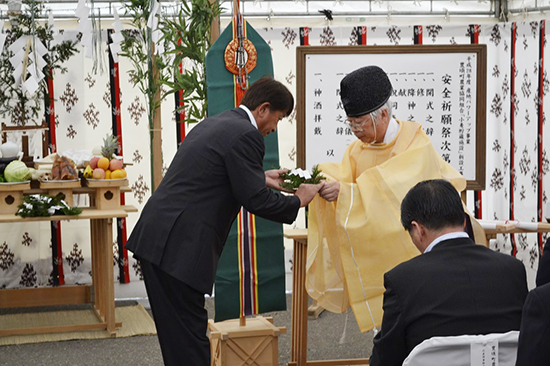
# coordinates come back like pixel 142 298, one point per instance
pixel 255 343
pixel 101 292
pixel 11 196
pixel 63 187
pixel 298 332
pixel 107 194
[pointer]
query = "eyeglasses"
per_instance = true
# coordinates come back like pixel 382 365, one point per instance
pixel 355 125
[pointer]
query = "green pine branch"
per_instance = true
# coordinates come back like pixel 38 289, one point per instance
pixel 44 205
pixel 293 181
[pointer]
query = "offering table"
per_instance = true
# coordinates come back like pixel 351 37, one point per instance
pixel 101 292
pixel 298 327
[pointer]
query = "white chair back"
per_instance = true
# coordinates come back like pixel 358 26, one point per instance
pixel 497 349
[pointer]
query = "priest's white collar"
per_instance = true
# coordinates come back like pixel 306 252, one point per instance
pixel 391 131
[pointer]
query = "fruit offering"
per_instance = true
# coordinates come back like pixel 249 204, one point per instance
pixel 106 166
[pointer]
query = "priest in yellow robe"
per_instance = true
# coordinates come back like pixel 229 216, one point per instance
pixel 355 233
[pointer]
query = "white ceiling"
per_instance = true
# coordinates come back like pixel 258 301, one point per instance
pixel 339 8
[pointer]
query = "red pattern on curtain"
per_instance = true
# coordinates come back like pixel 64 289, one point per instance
pixel 512 131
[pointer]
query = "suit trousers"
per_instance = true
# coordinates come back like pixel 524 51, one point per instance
pixel 180 318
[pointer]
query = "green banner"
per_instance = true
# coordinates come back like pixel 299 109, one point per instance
pixel 270 247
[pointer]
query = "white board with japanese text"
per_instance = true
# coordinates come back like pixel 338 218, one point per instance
pixel 440 87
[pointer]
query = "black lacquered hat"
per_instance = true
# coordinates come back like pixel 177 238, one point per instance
pixel 365 90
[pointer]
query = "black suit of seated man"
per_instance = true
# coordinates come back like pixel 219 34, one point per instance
pixel 534 335
pixel 454 288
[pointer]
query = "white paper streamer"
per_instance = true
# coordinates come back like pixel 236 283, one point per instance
pixel 2 41
pixel 116 37
pixel 152 22
pixel 32 57
pixel 2 36
pixel 301 173
pixel 82 12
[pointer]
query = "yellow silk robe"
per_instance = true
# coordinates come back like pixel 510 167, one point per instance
pixel 354 240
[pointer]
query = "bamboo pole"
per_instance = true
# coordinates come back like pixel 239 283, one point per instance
pixel 215 27
pixel 156 131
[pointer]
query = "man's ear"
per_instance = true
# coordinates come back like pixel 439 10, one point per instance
pixel 420 229
pixel 263 109
pixel 418 235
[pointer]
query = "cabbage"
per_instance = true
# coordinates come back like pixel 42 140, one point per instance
pixel 17 171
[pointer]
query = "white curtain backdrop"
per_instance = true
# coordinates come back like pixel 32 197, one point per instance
pixel 83 117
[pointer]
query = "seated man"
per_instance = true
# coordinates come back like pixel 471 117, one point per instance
pixel 454 288
pixel 355 233
pixel 543 272
pixel 534 335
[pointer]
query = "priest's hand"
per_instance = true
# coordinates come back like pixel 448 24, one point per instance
pixel 273 180
pixel 330 191
pixel 306 192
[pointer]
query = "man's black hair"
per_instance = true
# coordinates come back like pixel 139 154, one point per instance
pixel 433 203
pixel 267 89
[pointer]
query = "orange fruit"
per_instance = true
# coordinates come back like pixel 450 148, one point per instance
pixel 108 174
pixel 103 163
pixel 118 174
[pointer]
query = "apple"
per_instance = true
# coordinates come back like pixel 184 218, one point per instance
pixel 98 173
pixel 93 162
pixel 115 164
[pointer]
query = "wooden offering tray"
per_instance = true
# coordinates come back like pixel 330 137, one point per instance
pixel 95 183
pixel 107 195
pixel 65 187
pixel 11 196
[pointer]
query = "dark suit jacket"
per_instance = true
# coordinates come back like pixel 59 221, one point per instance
pixel 458 288
pixel 534 335
pixel 543 273
pixel 217 169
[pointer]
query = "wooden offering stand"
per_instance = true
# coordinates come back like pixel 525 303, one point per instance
pixel 11 196
pixel 298 331
pixel 105 196
pixel 241 343
pixel 53 188
pixel 107 192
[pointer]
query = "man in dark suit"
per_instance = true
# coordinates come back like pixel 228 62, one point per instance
pixel 183 227
pixel 543 272
pixel 534 335
pixel 454 288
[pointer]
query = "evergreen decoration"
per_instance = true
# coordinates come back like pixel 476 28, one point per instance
pixel 188 35
pixel 44 205
pixel 293 179
pixel 148 71
pixel 186 39
pixel 16 104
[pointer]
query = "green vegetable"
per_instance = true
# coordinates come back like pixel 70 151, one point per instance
pixel 2 179
pixel 17 171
